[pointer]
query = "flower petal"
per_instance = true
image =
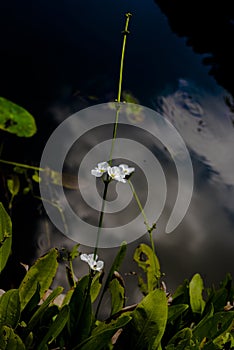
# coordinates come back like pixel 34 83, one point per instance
pixel 84 257
pixel 96 172
pixel 99 265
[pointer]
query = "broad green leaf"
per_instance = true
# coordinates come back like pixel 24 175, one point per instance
pixel 16 119
pixel 40 311
pixel 42 272
pixel 195 293
pixel 55 328
pixel 214 326
pixel 117 290
pixel 148 321
pixel 5 236
pixel 10 308
pixel 102 334
pixel 181 340
pixel 80 316
pixel 96 286
pixel 67 297
pixel 175 311
pixel 148 261
pixel 9 340
pixel 224 339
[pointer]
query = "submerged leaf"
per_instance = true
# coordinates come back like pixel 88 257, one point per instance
pixel 16 119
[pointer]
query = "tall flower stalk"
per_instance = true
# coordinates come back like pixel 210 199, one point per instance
pixel 106 180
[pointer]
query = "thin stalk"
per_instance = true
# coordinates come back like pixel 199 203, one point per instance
pixel 149 228
pixel 106 183
pixel 22 165
pixel 125 33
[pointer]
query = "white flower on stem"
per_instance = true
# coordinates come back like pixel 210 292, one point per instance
pixel 116 173
pixel 100 169
pixel 126 170
pixel 94 263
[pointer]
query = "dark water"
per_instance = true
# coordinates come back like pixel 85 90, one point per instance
pixel 59 57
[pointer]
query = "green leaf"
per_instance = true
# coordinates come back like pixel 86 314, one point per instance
pixel 117 290
pixel 175 311
pixel 214 326
pixel 115 266
pixel 195 292
pixel 5 236
pixel 148 322
pixel 55 328
pixel 96 286
pixel 102 334
pixel 74 252
pixel 42 272
pixel 181 340
pixel 80 317
pixel 10 308
pixel 16 119
pixel 148 261
pixel 13 184
pixel 36 177
pixel 9 340
pixel 42 308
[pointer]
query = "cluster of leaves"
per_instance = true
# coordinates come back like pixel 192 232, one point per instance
pixel 31 319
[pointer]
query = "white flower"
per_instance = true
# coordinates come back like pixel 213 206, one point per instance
pixel 100 169
pixel 126 170
pixel 116 173
pixel 94 264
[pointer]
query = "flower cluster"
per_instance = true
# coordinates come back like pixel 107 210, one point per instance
pixel 92 261
pixel 117 173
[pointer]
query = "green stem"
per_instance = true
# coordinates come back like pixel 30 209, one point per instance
pixel 22 165
pixel 125 33
pixel 149 228
pixel 106 183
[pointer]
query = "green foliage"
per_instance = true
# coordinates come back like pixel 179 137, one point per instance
pixel 16 119
pixel 29 319
pixel 5 237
